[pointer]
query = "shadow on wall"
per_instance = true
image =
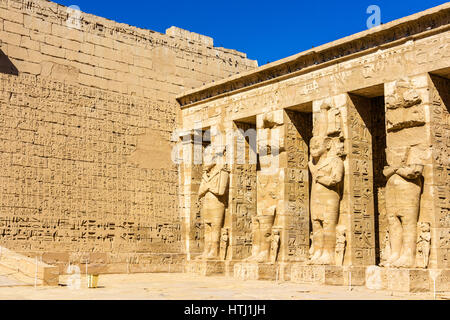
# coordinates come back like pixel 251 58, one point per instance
pixel 6 66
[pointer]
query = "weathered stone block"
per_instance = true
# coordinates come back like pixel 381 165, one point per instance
pixel 440 280
pixel 329 275
pixel 32 268
pixel 374 278
pixel 263 271
pixel 255 271
pixel 208 268
pixel 354 276
pixel 408 280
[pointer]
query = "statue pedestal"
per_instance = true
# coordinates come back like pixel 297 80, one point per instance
pixel 328 275
pixel 408 280
pixel 262 271
pixel 210 267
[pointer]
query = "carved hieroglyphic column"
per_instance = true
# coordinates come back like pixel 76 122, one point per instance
pixel 356 215
pixel 241 149
pixel 298 132
pixel 283 186
pixel 435 208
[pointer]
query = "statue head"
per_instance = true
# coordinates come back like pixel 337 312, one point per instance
pixel 319 145
pixel 208 158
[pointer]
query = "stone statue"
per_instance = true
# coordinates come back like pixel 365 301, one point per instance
pixel 262 236
pixel 214 190
pixel 341 243
pixel 403 191
pixel 327 170
pixel 268 184
pixel 275 245
pixel 423 245
pixel 224 242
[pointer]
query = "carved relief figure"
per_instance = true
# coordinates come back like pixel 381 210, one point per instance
pixel 214 190
pixel 403 192
pixel 275 245
pixel 327 170
pixel 403 107
pixel 341 242
pixel 423 245
pixel 224 243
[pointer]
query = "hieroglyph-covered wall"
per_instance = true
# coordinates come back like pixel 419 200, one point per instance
pixel 87 111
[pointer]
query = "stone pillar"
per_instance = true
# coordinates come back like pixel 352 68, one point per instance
pixel 435 203
pixel 357 207
pixel 417 192
pixel 409 168
pixel 190 177
pixel 294 161
pixel 342 197
pixel 283 183
pixel 353 143
pixel 280 228
pixel 242 159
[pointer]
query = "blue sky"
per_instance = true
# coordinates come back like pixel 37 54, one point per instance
pixel 265 30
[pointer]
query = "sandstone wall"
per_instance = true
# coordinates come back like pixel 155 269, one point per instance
pixel 87 111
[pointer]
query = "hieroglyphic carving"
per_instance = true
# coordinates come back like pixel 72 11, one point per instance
pixel 298 134
pixel 242 191
pixel 66 183
pixel 383 229
pixel 440 135
pixel 362 130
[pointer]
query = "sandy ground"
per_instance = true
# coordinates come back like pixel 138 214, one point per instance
pixel 185 287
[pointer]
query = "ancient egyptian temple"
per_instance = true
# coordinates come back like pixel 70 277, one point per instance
pixel 353 167
pixel 127 150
